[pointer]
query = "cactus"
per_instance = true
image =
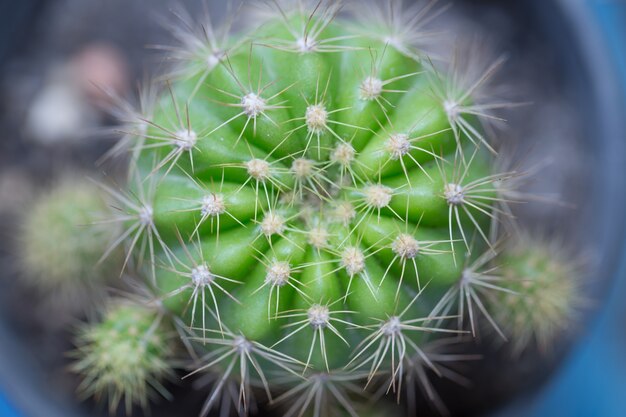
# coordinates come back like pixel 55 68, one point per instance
pixel 125 356
pixel 63 241
pixel 543 292
pixel 312 204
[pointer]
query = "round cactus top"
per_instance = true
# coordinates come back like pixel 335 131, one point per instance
pixel 314 169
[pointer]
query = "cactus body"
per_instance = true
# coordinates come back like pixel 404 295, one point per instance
pixel 298 180
pixel 304 192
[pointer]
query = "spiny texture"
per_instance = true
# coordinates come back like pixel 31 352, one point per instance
pixel 543 293
pixel 314 201
pixel 125 356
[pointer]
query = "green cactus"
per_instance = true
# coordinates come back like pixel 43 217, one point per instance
pixel 125 357
pixel 543 292
pixel 63 240
pixel 314 204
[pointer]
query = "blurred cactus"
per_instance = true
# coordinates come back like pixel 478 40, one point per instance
pixel 125 357
pixel 62 241
pixel 314 206
pixel 543 292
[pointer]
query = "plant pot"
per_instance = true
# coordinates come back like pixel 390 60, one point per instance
pixel 578 71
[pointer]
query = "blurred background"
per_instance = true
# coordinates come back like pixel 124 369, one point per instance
pixel 565 57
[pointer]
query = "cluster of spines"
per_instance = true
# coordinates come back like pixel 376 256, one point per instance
pixel 125 357
pixel 302 203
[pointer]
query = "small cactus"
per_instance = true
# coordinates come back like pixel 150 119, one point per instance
pixel 313 206
pixel 543 292
pixel 63 240
pixel 124 357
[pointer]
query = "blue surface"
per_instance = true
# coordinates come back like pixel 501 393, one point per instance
pixel 6 410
